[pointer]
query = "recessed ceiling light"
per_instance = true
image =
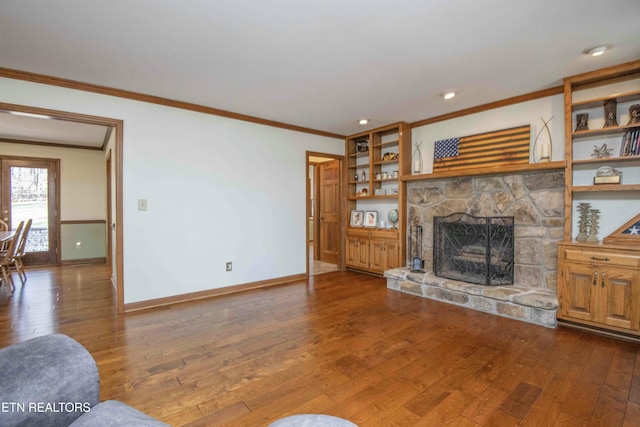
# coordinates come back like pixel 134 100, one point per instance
pixel 448 95
pixel 597 50
pixel 363 121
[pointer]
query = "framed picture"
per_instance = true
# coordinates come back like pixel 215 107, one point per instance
pixel 357 219
pixel 371 219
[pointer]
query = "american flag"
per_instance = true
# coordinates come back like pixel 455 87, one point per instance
pixel 634 229
pixel 446 148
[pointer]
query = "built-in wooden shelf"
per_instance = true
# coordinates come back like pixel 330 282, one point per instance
pixel 605 187
pixel 599 102
pixel 531 167
pixel 362 166
pixel 386 144
pixel 604 131
pixel 374 197
pixel 620 159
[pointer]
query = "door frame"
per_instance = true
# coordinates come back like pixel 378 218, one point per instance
pixel 118 126
pixel 316 208
pixel 56 202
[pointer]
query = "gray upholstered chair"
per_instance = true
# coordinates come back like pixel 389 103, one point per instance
pixel 53 381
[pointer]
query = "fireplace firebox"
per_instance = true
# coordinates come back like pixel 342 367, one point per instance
pixel 473 249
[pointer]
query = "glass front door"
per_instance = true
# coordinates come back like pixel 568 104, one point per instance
pixel 29 192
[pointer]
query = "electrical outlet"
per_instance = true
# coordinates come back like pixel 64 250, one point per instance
pixel 142 204
pixel 229 266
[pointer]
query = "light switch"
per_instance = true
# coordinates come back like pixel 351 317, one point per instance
pixel 142 204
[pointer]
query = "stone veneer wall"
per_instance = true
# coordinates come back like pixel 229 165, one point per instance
pixel 534 199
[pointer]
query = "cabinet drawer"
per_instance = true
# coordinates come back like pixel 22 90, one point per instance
pixel 604 257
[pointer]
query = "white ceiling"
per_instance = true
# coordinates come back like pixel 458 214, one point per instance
pixel 319 64
pixel 59 132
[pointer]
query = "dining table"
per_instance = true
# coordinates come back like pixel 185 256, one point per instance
pixel 5 236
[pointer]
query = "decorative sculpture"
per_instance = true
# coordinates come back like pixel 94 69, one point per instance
pixel 583 221
pixel 602 152
pixel 634 115
pixel 594 225
pixel 610 119
pixel 607 175
pixel 581 122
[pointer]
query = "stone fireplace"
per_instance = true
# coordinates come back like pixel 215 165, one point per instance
pixel 535 200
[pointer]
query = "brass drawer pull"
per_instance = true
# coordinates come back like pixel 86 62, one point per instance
pixel 605 259
pixel 595 278
pixel 602 280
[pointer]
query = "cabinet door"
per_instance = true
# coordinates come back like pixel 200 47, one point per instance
pixel 385 254
pixel 578 291
pixel 619 299
pixel 392 248
pixel 357 252
pixel 378 260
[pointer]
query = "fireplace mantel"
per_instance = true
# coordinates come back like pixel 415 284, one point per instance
pixel 472 172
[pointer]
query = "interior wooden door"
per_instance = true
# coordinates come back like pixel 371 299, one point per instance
pixel 28 190
pixel 329 205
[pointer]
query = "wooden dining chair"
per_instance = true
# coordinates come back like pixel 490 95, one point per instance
pixel 7 259
pixel 3 227
pixel 20 250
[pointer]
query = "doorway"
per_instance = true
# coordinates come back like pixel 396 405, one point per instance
pixel 324 243
pixel 29 190
pixel 116 135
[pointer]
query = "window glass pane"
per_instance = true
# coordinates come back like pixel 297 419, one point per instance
pixel 29 199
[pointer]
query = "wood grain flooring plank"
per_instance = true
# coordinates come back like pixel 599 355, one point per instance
pixel 520 401
pixel 341 344
pixel 631 415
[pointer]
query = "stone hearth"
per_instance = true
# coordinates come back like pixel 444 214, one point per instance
pixel 532 305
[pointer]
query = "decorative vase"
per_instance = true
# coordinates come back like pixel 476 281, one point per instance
pixel 582 120
pixel 610 119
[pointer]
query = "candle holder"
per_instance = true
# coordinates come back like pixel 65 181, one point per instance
pixel 545 149
pixel 417 163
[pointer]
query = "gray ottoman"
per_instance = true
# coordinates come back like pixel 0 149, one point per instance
pixel 312 420
pixel 53 381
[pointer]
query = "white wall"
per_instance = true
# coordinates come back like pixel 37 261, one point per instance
pixel 217 189
pixel 525 113
pixel 82 176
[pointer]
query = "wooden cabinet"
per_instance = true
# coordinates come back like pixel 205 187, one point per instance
pixel 373 251
pixel 376 162
pixel 600 286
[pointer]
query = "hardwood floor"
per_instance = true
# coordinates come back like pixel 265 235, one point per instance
pixel 339 344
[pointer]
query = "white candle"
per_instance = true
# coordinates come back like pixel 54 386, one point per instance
pixel 545 151
pixel 416 166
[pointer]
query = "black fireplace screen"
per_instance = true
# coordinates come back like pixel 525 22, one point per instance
pixel 474 249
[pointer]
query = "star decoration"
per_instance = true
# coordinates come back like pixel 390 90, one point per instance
pixel 601 152
pixel 634 229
